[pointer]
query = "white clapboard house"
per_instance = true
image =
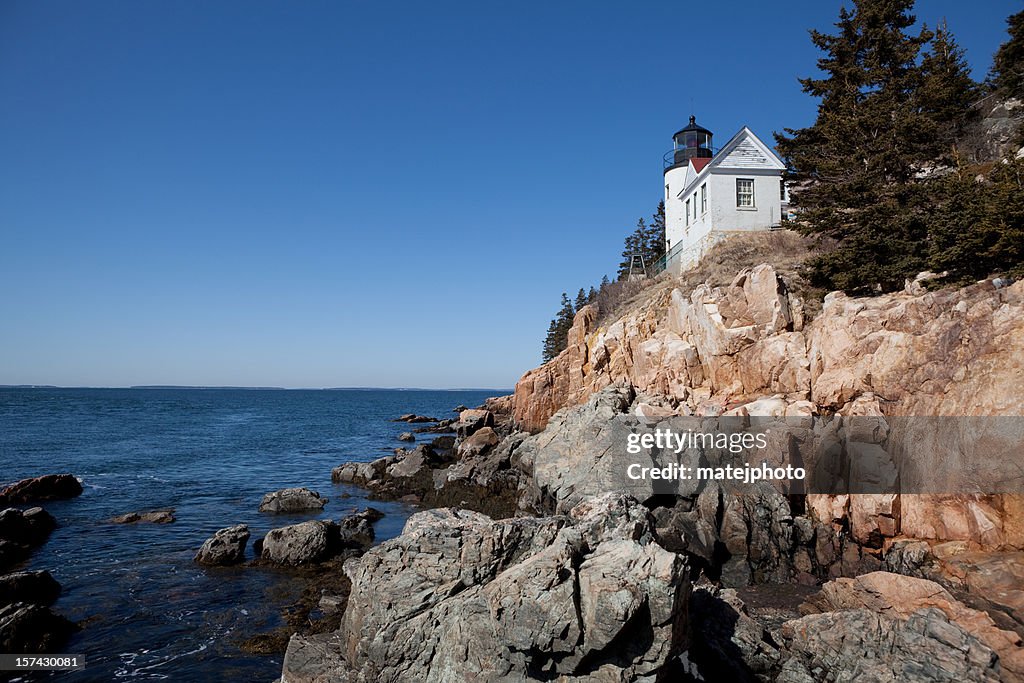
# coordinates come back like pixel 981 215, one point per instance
pixel 711 194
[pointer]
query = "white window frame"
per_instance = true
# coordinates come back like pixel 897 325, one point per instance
pixel 741 195
pixel 704 198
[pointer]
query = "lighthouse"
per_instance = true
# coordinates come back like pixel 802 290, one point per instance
pixel 713 193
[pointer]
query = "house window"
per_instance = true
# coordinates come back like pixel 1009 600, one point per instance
pixel 704 198
pixel 694 206
pixel 666 192
pixel 687 211
pixel 745 193
pixel 782 189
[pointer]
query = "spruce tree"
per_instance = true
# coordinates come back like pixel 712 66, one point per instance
pixel 978 229
pixel 591 296
pixel 634 243
pixel 947 91
pixel 581 299
pixel 655 240
pixel 855 168
pixel 1008 67
pixel 557 337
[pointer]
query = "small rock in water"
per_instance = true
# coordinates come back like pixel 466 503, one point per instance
pixel 225 547
pixel 152 517
pixel 47 487
pixel 292 500
pixel 406 436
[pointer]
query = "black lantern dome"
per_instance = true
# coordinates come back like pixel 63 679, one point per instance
pixel 692 142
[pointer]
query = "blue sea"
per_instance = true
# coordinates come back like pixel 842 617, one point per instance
pixel 147 611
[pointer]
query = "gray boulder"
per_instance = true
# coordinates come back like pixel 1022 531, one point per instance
pixel 406 436
pixel 304 543
pixel 862 645
pixel 459 596
pixel 225 547
pixel 37 587
pixel 581 455
pixel 356 530
pixel 32 629
pixel 292 500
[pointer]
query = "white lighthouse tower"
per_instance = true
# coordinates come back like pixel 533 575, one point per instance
pixel 710 194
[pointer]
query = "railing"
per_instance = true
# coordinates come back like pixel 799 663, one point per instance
pixel 662 263
pixel 669 159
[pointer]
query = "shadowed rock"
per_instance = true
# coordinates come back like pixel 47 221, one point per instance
pixel 47 487
pixel 225 547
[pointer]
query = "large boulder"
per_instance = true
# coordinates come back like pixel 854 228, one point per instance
pixel 472 420
pixel 903 597
pixel 20 531
pixel 29 527
pixel 303 543
pixel 32 629
pixel 580 454
pixel 480 441
pixel 459 596
pixel 47 487
pixel 36 587
pixel 292 500
pixel 356 530
pixel 225 547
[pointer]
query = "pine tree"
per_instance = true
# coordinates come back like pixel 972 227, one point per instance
pixel 855 168
pixel 551 345
pixel 557 337
pixel 978 229
pixel 655 238
pixel 581 299
pixel 604 281
pixel 947 91
pixel 1008 67
pixel 591 296
pixel 634 243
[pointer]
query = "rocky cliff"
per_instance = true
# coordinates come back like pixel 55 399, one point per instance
pixel 716 349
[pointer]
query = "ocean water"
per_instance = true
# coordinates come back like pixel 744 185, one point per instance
pixel 148 612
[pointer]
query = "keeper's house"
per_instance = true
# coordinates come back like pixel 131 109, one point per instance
pixel 710 194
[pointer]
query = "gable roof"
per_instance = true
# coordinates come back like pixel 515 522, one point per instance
pixel 699 163
pixel 743 151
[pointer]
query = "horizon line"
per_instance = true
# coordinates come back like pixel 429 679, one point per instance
pixel 247 388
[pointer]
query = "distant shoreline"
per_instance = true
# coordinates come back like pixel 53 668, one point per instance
pixel 234 388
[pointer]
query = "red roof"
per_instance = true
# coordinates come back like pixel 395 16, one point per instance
pixel 699 163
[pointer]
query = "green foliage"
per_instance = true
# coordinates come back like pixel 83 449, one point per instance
pixel 647 241
pixel 1008 66
pixel 886 113
pixel 978 229
pixel 557 337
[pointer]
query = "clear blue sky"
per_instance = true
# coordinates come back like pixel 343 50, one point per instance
pixel 354 193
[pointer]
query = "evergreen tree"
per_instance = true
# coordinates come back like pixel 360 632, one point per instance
pixel 655 240
pixel 855 168
pixel 604 281
pixel 978 229
pixel 1008 67
pixel 557 337
pixel 591 296
pixel 947 91
pixel 581 299
pixel 635 243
